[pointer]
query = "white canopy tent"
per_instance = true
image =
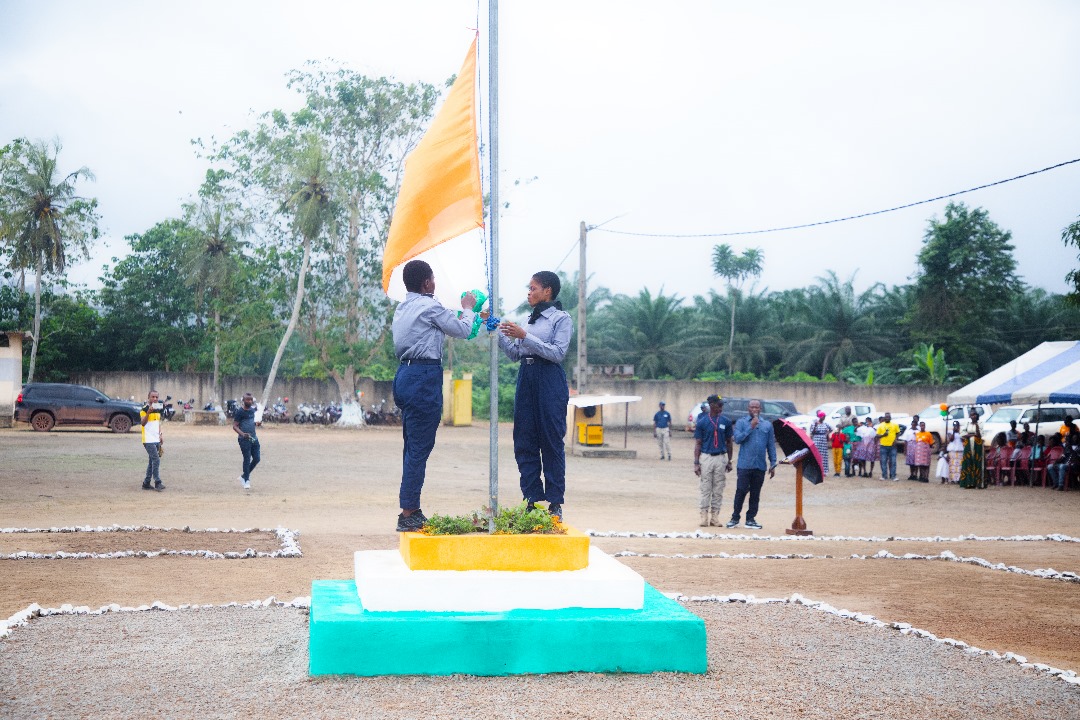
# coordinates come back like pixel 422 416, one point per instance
pixel 1049 373
pixel 584 401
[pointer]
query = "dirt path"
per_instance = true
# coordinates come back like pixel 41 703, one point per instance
pixel 338 489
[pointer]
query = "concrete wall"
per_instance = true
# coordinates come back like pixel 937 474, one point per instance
pixel 681 396
pixel 183 386
pixel 10 375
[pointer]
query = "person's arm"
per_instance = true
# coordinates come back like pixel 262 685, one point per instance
pixel 730 449
pixel 742 430
pixel 236 426
pixel 555 351
pixel 697 455
pixel 447 320
pixel 144 415
pixel 770 448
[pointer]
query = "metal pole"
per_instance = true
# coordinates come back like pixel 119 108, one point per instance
pixel 493 219
pixel 582 354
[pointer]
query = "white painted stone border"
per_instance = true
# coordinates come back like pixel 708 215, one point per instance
pixel 289 545
pixel 23 618
pixel 1046 574
pixel 904 628
pixel 700 535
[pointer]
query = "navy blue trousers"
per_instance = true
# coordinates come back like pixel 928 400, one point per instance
pixel 749 482
pixel 539 429
pixel 418 392
pixel 252 455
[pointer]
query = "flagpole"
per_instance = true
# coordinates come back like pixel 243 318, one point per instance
pixel 493 222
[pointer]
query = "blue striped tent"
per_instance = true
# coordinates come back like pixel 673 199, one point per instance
pixel 1050 373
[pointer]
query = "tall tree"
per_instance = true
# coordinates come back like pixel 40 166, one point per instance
pixel 736 269
pixel 966 271
pixel 211 256
pixel 310 204
pixel 42 220
pixel 1071 236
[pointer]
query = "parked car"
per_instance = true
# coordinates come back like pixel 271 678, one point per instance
pixel 1049 416
pixel 46 405
pixel 735 408
pixel 938 426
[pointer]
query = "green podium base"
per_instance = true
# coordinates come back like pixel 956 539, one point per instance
pixel 345 639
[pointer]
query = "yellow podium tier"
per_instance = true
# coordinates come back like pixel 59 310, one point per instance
pixel 481 551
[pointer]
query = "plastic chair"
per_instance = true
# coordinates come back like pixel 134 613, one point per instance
pixel 1050 456
pixel 1003 467
pixel 990 460
pixel 1022 465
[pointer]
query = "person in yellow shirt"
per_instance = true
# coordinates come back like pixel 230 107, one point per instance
pixel 887 431
pixel 150 417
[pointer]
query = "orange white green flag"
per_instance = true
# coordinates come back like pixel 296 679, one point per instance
pixel 441 198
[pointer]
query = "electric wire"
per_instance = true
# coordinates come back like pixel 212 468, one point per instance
pixel 843 219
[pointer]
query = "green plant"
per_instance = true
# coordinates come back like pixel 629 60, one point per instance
pixel 517 520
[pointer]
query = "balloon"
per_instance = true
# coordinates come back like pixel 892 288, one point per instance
pixel 943 407
pixel 481 298
pixel 944 413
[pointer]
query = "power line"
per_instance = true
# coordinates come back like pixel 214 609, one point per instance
pixel 843 219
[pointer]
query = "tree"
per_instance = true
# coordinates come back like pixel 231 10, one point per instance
pixel 42 220
pixel 1071 236
pixel 735 269
pixel 310 206
pixel 211 257
pixel 644 331
pixel 710 342
pixel 834 326
pixel 966 271
pixel 930 367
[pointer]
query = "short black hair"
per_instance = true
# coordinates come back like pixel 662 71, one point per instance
pixel 415 273
pixel 548 279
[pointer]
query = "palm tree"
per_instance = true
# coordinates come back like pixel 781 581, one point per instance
pixel 211 257
pixel 836 325
pixel 645 331
pixel 735 269
pixel 753 342
pixel 42 220
pixel 310 203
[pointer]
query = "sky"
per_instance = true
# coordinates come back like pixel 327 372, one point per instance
pixel 679 118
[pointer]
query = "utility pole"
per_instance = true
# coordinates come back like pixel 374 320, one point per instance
pixel 582 354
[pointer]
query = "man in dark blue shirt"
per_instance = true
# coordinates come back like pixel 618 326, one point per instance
pixel 712 459
pixel 244 426
pixel 661 422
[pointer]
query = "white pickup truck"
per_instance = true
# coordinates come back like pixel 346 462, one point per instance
pixel 860 409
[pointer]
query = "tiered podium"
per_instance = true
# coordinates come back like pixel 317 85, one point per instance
pixel 497 605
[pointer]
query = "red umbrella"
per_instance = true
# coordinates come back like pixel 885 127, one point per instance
pixel 792 439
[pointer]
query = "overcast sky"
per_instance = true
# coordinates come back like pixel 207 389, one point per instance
pixel 682 117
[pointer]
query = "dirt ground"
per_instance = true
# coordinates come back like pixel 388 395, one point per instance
pixel 338 490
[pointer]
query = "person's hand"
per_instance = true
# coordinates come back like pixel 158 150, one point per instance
pixel 728 469
pixel 697 469
pixel 772 472
pixel 754 421
pixel 484 314
pixel 512 330
pixel 468 301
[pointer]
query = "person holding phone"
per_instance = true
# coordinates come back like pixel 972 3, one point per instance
pixel 150 417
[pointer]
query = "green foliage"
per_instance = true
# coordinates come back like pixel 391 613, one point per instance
pixel 1071 236
pixel 516 520
pixel 644 331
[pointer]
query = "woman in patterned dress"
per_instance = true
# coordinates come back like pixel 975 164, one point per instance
pixel 819 433
pixel 920 453
pixel 971 467
pixel 955 449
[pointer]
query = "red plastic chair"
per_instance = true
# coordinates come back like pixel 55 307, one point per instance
pixel 1003 467
pixel 1022 467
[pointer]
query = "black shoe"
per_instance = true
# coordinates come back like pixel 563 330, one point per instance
pixel 147 486
pixel 531 505
pixel 733 523
pixel 159 487
pixel 555 510
pixel 753 524
pixel 411 523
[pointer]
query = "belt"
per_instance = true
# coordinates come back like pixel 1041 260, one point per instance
pixel 716 454
pixel 533 360
pixel 420 361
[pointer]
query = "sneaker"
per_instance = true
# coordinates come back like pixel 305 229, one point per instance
pixel 242 481
pixel 555 510
pixel 412 523
pixel 147 486
pixel 733 523
pixel 159 487
pixel 247 485
pixel 753 524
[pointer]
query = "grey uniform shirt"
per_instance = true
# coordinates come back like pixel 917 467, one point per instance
pixel 420 324
pixel 547 338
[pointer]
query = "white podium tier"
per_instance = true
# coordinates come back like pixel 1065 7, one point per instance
pixel 385 583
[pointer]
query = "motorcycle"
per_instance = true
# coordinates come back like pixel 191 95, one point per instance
pixel 167 409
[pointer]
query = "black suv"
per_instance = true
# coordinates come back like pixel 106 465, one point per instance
pixel 735 408
pixel 46 405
